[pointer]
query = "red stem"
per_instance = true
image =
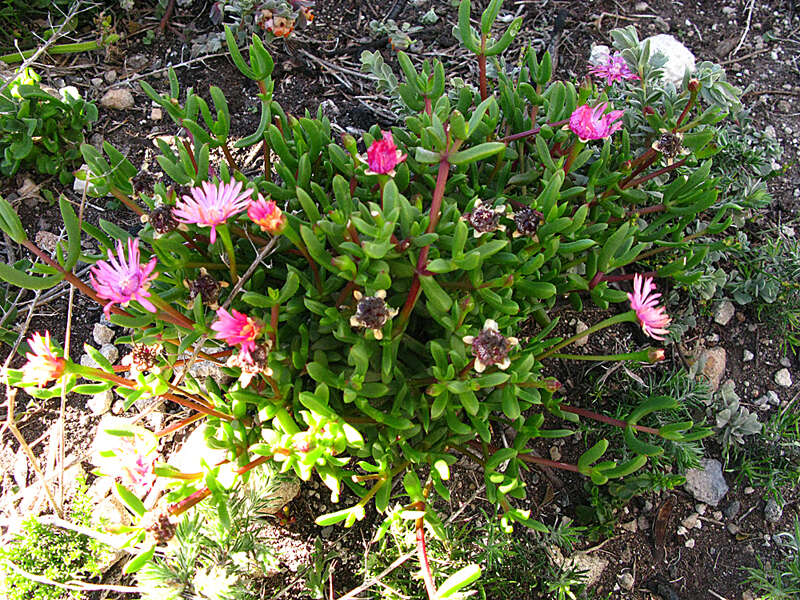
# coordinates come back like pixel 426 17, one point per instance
pixel 424 564
pixel 273 323
pixel 200 495
pixel 229 157
pixel 482 69
pixel 126 201
pixel 530 132
pixel 188 147
pixel 654 174
pixel 604 419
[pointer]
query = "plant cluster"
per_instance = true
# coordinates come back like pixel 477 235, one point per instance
pixel 57 554
pixel 780 581
pixel 41 131
pixel 384 306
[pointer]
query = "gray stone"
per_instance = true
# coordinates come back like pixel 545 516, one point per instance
pixel 117 99
pixel 100 404
pixel 110 76
pixel 785 362
pixel 707 483
pixel 733 528
pixel 691 521
pixel 626 581
pixel 723 312
pixel 748 356
pixel 783 378
pixel 102 334
pixel 88 361
pixel 772 511
pixel 96 81
pixel 110 352
pixel 689 543
pixel 733 509
pixel 136 61
pixel 631 526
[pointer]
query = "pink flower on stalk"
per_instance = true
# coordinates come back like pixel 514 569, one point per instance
pixel 121 280
pixel 43 365
pixel 653 318
pixel 383 156
pixel 614 69
pixel 591 124
pixel 212 205
pixel 237 329
pixel 267 215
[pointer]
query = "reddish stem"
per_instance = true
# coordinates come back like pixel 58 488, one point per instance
pixel 188 147
pixel 655 174
pixel 530 132
pixel 604 419
pixel 273 323
pixel 200 495
pixel 424 564
pixel 229 157
pixel 167 14
pixel 126 201
pixel 482 69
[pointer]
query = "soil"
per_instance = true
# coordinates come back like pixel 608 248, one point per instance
pixel 306 75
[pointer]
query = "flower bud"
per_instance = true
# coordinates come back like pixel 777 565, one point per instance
pixel 655 355
pixel 649 110
pixel 552 385
pixel 694 85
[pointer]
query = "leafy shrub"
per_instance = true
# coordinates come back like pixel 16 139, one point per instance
pixel 58 554
pixel 393 310
pixel 41 131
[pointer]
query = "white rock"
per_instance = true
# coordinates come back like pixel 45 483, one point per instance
pixel 783 378
pixel 100 403
pixel 110 352
pixel 748 356
pixel 580 327
pixel 626 581
pixel 691 521
pixel 599 54
pixel 47 241
pixel 724 312
pixel 110 76
pixel 785 362
pixel 102 334
pixel 117 99
pixel 689 543
pixel 88 361
pixel 156 114
pixel 679 58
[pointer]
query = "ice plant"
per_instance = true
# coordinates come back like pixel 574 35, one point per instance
pixel 614 70
pixel 490 347
pixel 143 358
pixel 372 312
pixel 211 205
pixel 132 458
pixel 383 156
pixel 253 363
pixel 121 280
pixel 43 365
pixel 484 218
pixel 653 318
pixel 591 124
pixel 237 329
pixel 526 221
pixel 267 215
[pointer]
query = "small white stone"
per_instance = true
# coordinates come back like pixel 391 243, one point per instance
pixel 117 99
pixel 717 514
pixel 785 362
pixel 631 526
pixel 724 312
pixel 689 543
pixel 748 490
pixel 682 530
pixel 88 361
pixel 156 114
pixel 110 352
pixel 679 58
pixel 691 521
pixel 110 76
pixel 700 508
pixel 783 378
pixel 580 327
pixel 102 334
pixel 748 356
pixel 100 403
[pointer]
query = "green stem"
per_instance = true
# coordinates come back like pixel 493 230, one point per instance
pixel 626 317
pixel 642 355
pixel 225 236
pixel 16 57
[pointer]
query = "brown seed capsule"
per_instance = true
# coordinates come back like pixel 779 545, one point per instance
pixel 206 287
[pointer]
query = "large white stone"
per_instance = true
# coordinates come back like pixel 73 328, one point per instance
pixel 679 58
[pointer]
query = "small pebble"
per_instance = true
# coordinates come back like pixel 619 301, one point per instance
pixel 156 114
pixel 717 514
pixel 748 490
pixel 689 543
pixel 555 453
pixel 733 509
pixel 700 508
pixel 785 362
pixel 691 521
pixel 783 378
pixel 748 356
pixel 772 511
pixel 626 581
pixel 110 352
pixel 733 528
pixel 110 76
pixel 102 334
pixel 630 526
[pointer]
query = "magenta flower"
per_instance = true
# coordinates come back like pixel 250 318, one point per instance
pixel 121 281
pixel 383 156
pixel 614 69
pixel 267 215
pixel 212 205
pixel 43 365
pixel 591 124
pixel 237 329
pixel 653 318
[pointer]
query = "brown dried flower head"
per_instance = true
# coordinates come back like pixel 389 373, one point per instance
pixel 161 219
pixel 527 222
pixel 206 287
pixel 484 218
pixel 143 358
pixel 491 347
pixel 670 145
pixel 372 312
pixel 256 363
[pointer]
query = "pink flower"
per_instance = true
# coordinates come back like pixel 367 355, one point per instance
pixel 267 215
pixel 591 124
pixel 614 69
pixel 653 318
pixel 43 365
pixel 121 281
pixel 237 329
pixel 212 205
pixel 132 458
pixel 383 156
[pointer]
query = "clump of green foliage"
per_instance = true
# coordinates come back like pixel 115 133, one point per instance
pixel 780 581
pixel 40 131
pixel 57 554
